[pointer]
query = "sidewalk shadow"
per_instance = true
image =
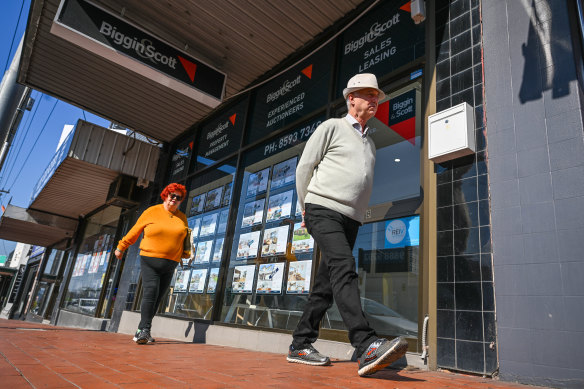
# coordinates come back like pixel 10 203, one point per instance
pixel 49 329
pixel 390 374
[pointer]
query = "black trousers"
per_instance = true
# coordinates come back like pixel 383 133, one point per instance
pixel 156 277
pixel 336 278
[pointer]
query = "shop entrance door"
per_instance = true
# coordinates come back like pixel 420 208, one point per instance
pixel 387 247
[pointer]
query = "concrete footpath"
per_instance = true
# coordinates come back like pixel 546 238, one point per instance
pixel 43 356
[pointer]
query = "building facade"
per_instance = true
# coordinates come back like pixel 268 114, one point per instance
pixel 478 255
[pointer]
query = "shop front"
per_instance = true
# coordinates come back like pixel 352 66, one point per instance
pixel 77 210
pixel 439 234
pixel 253 263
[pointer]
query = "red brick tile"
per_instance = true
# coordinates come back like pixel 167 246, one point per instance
pixel 99 359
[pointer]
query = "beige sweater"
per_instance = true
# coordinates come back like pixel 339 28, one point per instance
pixel 336 169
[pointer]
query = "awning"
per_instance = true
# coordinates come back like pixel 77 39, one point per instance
pixel 34 227
pixel 7 271
pixel 244 41
pixel 77 181
pixel 78 178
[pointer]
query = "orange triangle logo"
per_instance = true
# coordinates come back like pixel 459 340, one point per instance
pixel 191 145
pixel 232 118
pixel 307 71
pixel 190 67
pixel 407 7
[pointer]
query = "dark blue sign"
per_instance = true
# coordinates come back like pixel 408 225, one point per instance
pixel 91 21
pixel 380 42
pixel 222 135
pixel 36 251
pixel 293 95
pixel 180 160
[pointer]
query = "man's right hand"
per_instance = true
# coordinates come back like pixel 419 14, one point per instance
pixel 303 224
pixel 118 254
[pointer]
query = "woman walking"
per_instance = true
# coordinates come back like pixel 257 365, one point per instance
pixel 161 250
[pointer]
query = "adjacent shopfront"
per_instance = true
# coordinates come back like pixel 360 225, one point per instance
pixel 78 209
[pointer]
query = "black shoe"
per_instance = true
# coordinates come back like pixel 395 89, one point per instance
pixel 381 354
pixel 308 356
pixel 137 334
pixel 142 336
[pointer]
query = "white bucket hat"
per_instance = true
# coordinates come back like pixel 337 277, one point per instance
pixel 362 81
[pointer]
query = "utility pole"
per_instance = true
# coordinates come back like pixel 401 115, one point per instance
pixel 14 100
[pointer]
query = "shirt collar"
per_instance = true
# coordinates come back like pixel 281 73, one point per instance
pixel 357 126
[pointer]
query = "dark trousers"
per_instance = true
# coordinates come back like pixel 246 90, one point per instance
pixel 156 277
pixel 336 277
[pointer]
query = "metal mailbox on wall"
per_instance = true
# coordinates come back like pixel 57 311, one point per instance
pixel 451 133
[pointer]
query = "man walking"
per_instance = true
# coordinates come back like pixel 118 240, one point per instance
pixel 334 179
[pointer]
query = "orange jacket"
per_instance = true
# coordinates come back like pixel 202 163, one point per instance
pixel 164 233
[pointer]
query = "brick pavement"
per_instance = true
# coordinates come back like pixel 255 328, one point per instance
pixel 43 356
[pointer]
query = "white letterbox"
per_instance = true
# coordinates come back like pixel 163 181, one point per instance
pixel 451 133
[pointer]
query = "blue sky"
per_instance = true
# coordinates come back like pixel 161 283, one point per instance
pixel 40 129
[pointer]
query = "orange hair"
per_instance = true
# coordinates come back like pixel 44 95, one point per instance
pixel 174 187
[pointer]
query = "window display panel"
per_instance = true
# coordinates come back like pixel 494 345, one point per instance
pixel 192 292
pixel 387 255
pixel 269 270
pixel 92 261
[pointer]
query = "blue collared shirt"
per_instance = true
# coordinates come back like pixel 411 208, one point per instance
pixel 357 126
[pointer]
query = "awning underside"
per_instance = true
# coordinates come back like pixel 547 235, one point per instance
pixel 243 40
pixel 33 227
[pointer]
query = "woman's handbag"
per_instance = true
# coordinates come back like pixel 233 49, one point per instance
pixel 187 245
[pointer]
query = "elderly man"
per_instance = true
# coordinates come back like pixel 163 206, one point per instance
pixel 334 179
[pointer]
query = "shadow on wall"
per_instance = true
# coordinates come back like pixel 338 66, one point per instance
pixel 547 52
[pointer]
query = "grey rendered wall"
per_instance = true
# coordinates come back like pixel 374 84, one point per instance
pixel 536 173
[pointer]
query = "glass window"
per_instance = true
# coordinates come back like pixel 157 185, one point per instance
pixel 387 248
pixel 207 209
pixel 387 255
pixel 270 262
pixel 54 262
pixel 41 298
pixel 396 130
pixel 93 257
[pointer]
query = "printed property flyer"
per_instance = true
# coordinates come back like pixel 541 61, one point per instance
pixel 270 276
pixel 299 277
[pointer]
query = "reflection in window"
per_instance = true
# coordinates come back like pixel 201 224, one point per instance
pixel 207 209
pixel 396 130
pixel 91 263
pixel 54 262
pixel 387 255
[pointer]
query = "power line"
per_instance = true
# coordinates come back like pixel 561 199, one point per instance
pixel 13 36
pixel 35 142
pixel 31 117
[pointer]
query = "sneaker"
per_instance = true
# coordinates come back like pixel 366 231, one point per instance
pixel 381 354
pixel 142 336
pixel 137 334
pixel 308 356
